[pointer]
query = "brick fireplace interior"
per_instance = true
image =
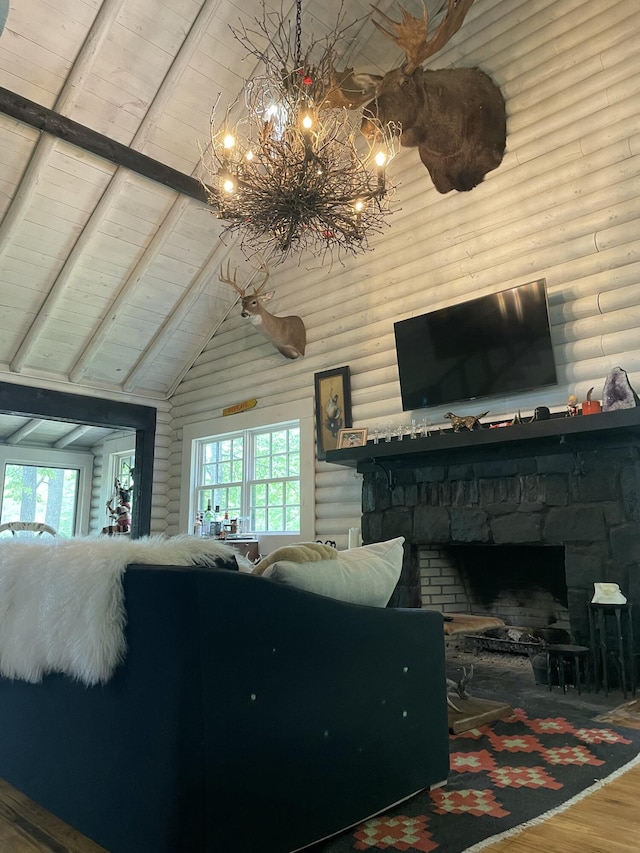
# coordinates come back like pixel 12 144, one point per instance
pixel 547 515
pixel 524 585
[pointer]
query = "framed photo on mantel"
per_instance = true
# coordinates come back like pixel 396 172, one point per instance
pixel 333 408
pixel 354 437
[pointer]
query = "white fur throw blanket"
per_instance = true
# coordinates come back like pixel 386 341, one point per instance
pixel 62 603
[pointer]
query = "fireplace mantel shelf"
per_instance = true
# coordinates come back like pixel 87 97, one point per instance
pixel 557 434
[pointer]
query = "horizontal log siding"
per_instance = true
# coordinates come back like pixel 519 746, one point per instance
pixel 564 204
pixel 161 520
pixel 98 511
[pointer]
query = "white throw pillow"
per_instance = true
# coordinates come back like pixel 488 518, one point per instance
pixel 365 575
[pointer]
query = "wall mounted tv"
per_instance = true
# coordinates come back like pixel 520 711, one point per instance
pixel 494 345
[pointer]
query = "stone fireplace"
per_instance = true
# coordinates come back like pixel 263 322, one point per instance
pixel 567 488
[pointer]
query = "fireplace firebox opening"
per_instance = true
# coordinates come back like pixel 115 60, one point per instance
pixel 521 584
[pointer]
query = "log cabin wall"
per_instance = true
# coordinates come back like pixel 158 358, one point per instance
pixel 563 205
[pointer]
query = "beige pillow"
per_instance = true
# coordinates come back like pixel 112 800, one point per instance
pixel 365 575
pixel 303 552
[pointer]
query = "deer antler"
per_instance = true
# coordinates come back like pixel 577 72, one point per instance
pixel 348 88
pixel 265 269
pixel 226 279
pixel 411 33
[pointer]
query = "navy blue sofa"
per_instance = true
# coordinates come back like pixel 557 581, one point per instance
pixel 248 716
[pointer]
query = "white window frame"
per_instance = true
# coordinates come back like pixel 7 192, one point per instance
pixel 112 450
pixel 247 438
pixel 254 419
pixel 51 457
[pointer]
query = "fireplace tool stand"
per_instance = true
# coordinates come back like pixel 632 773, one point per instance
pixel 611 638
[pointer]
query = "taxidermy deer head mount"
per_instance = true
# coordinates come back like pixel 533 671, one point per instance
pixel 455 117
pixel 287 334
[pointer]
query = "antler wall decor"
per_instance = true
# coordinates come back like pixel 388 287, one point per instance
pixel 296 180
pixel 455 117
pixel 287 334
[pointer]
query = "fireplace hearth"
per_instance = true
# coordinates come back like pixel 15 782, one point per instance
pixel 570 486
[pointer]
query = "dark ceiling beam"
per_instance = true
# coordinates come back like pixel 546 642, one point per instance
pixel 41 118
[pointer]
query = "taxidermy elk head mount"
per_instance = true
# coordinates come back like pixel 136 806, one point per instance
pixel 455 117
pixel 287 334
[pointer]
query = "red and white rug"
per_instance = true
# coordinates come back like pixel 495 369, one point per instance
pixel 504 776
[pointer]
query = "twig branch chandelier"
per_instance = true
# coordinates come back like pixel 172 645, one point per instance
pixel 295 175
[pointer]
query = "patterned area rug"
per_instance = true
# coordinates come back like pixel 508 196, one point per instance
pixel 503 776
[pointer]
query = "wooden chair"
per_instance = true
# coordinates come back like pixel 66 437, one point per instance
pixel 36 527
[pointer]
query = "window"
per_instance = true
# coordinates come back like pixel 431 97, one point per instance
pixel 48 495
pixel 118 459
pixel 252 475
pixel 46 485
pixel 124 463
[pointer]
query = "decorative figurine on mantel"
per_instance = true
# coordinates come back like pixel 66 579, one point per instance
pixel 589 406
pixel 572 406
pixel 469 422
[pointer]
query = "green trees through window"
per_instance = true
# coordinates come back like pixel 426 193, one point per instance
pixel 34 493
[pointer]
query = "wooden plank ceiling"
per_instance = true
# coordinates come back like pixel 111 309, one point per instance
pixel 108 280
pixel 18 432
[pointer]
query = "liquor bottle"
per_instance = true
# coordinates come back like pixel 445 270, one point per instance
pixel 208 520
pixel 217 523
pixel 197 526
pixel 225 525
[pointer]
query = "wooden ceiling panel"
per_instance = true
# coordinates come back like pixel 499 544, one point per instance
pixel 53 246
pixel 161 24
pixel 38 49
pixel 158 296
pixel 193 245
pixel 143 200
pixel 113 361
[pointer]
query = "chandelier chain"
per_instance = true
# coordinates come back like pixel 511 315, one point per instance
pixel 298 33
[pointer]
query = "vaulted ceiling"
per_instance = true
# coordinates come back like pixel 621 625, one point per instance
pixel 108 278
pixel 17 431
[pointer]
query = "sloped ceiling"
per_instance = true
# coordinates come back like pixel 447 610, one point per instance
pixel 108 280
pixel 17 431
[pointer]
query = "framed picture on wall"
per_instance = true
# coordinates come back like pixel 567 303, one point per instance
pixel 333 407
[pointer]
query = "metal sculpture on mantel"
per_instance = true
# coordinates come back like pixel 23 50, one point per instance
pixel 287 334
pixel 470 422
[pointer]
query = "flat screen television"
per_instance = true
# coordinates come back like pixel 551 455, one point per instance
pixel 497 344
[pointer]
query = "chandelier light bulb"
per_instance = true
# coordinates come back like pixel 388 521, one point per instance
pixel 249 156
pixel 229 141
pixel 359 206
pixel 307 122
pixel 381 158
pixel 228 185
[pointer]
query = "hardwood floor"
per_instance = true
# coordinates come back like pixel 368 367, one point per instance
pixel 25 827
pixel 607 821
